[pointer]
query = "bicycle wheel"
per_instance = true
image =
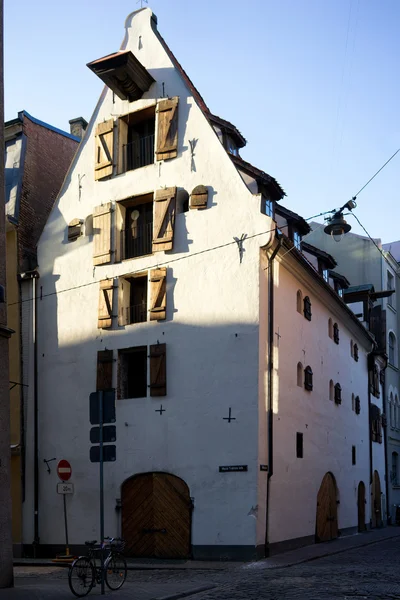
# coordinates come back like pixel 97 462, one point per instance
pixel 81 576
pixel 115 571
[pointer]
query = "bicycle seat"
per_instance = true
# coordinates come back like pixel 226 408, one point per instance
pixel 92 543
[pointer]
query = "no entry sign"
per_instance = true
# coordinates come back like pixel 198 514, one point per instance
pixel 64 470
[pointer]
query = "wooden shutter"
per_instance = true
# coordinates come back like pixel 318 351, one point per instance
pixel 199 197
pixel 158 294
pixel 167 128
pixel 104 370
pixel 164 219
pixel 124 301
pixel 104 149
pixel 122 143
pixel 105 304
pixel 158 370
pixel 102 234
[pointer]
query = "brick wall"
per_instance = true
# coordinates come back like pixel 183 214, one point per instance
pixel 48 157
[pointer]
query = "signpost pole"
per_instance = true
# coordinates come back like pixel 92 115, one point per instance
pixel 101 489
pixel 66 526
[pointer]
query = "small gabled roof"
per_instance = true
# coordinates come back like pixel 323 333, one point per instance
pixel 270 182
pixel 293 217
pixel 343 280
pixel 228 128
pixel 327 258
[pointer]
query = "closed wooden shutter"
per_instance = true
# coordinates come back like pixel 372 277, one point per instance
pixel 164 219
pixel 167 128
pixel 120 214
pixel 102 234
pixel 199 197
pixel 158 370
pixel 158 294
pixel 105 304
pixel 104 370
pixel 124 298
pixel 104 149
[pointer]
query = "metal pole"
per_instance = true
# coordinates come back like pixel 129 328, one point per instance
pixel 101 490
pixel 66 526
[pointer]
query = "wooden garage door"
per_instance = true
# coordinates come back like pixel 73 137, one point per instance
pixel 327 524
pixel 156 516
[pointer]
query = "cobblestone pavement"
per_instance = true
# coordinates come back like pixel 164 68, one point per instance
pixel 369 572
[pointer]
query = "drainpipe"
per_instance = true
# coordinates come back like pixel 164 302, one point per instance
pixel 385 449
pixel 36 539
pixel 270 414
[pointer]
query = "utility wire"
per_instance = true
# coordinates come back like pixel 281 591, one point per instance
pixel 373 177
pixel 163 264
pixel 375 244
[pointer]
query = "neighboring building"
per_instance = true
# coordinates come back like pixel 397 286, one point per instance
pixel 367 269
pixel 37 157
pixel 163 277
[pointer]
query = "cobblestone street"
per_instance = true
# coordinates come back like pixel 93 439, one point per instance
pixel 365 572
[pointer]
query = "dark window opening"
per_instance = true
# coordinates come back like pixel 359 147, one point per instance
pixel 307 308
pixel 355 352
pixel 137 310
pixel 376 424
pixel 138 233
pixel 138 151
pixel 338 394
pixel 353 455
pixel 336 333
pixel 357 404
pixel 299 445
pixel 132 372
pixel 308 378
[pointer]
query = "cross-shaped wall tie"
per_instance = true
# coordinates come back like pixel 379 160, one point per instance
pixel 229 418
pixel 160 410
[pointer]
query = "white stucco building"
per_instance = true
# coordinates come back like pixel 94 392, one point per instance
pixel 163 277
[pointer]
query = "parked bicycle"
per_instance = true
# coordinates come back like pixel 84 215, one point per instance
pixel 85 571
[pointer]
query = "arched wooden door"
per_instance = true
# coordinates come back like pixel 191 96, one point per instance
pixel 327 523
pixel 156 516
pixel 376 504
pixel 361 506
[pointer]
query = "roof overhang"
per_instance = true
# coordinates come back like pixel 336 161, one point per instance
pixel 123 74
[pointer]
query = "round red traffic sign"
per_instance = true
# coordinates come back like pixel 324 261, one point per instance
pixel 64 470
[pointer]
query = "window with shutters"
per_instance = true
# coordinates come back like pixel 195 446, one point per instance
pixel 374 384
pixel 167 128
pixel 132 372
pixel 336 333
pixel 132 299
pixel 308 378
pixel 136 139
pixel 134 227
pixel 307 308
pixel 338 393
pixel 106 303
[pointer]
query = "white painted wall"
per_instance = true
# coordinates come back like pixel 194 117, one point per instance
pixel 211 332
pixel 329 430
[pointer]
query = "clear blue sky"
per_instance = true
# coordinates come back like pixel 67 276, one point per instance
pixel 313 85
